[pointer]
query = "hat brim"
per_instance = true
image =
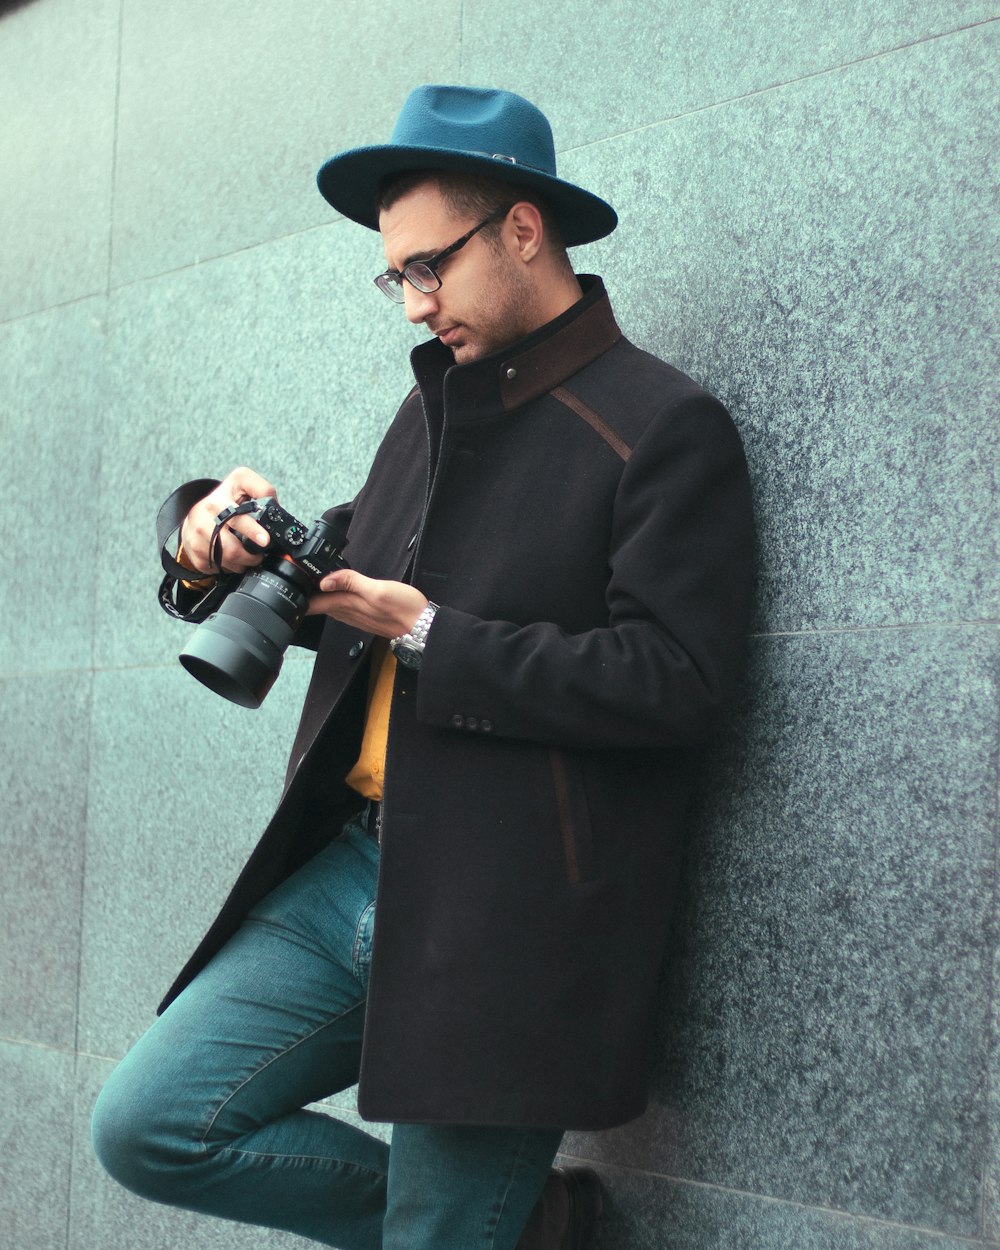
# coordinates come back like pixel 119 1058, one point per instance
pixel 349 182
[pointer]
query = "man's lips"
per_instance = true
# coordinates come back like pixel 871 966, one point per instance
pixel 448 335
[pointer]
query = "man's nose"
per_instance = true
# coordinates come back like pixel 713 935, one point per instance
pixel 419 304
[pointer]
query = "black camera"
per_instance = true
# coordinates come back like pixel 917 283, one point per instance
pixel 237 651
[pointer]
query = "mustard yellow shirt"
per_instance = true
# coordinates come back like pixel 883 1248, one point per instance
pixel 368 774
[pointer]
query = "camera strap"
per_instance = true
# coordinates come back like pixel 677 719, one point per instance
pixel 227 514
pixel 170 518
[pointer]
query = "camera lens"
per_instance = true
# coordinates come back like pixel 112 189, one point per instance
pixel 237 652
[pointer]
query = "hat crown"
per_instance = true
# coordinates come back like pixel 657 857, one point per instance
pixel 479 120
pixel 469 130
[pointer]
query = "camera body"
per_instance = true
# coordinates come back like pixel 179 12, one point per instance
pixel 310 548
pixel 238 650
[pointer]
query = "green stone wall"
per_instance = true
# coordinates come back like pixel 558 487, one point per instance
pixel 807 197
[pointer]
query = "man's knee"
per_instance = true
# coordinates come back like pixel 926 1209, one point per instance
pixel 136 1138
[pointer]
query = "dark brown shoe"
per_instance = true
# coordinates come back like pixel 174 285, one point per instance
pixel 567 1214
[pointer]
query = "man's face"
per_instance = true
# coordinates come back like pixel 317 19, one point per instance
pixel 486 299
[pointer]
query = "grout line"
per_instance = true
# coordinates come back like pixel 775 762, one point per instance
pixel 831 1212
pixel 114 146
pixel 777 86
pixel 821 632
pixel 877 629
pixel 47 308
pixel 109 290
pixel 208 260
pixel 31 1044
pixel 993 976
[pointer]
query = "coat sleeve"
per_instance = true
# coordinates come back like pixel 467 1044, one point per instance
pixel 660 671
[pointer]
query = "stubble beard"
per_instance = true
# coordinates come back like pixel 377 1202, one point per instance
pixel 506 312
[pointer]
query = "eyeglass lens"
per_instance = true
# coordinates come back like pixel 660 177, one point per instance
pixel 420 275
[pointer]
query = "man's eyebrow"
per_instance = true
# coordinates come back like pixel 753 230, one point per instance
pixel 424 254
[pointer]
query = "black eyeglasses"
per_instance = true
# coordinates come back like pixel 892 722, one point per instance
pixel 423 274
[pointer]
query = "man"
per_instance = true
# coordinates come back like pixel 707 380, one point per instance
pixel 462 899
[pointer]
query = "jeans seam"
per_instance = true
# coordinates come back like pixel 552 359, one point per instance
pixel 280 1054
pixel 518 1156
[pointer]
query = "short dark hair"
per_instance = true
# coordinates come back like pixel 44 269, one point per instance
pixel 473 195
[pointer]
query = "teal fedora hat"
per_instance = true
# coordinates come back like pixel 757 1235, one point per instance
pixel 470 129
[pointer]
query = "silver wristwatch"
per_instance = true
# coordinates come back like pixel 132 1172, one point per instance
pixel 409 648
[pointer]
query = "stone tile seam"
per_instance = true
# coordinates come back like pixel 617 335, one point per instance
pixel 335 220
pixel 106 291
pixel 113 187
pixel 27 1043
pixel 779 86
pixel 983 623
pixel 986 622
pixel 992 1040
pixel 47 308
pixel 156 666
pixel 33 1044
pixel 835 1212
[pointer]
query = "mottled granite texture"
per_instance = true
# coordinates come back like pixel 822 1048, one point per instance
pixel 825 1009
pixel 644 1212
pixel 43 780
pixel 616 66
pixel 226 112
pixel 285 358
pixel 57 102
pixel 817 256
pixel 35 1146
pixel 827 1059
pixel 52 396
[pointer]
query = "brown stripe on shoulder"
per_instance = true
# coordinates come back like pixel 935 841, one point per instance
pixel 613 440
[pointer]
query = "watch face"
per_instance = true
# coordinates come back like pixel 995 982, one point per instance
pixel 408 654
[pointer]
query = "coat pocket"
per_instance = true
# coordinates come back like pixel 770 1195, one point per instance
pixel 574 818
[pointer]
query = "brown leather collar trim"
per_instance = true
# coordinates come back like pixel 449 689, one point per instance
pixel 613 440
pixel 543 367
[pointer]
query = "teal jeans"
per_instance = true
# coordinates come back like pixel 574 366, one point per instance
pixel 206 1112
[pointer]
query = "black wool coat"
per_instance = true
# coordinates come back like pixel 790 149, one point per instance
pixel 581 513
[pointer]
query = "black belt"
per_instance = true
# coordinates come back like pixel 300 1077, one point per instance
pixel 371 820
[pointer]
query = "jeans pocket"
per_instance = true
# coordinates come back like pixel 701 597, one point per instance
pixel 362 953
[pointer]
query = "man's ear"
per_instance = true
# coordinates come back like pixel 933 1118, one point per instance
pixel 525 222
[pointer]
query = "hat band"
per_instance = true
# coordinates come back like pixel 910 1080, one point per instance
pixel 511 160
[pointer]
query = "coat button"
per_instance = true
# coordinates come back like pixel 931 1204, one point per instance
pixel 458 721
pixel 471 722
pixel 511 374
pixel 356 650
pixel 486 726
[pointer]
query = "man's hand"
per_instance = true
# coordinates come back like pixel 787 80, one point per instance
pixel 199 524
pixel 380 607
